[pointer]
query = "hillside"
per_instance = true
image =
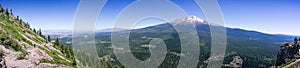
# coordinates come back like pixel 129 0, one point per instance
pixel 24 47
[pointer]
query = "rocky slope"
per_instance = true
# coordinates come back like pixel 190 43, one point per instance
pixel 24 47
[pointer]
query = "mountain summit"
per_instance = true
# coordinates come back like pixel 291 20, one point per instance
pixel 190 19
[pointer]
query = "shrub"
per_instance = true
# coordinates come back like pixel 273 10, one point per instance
pixel 21 55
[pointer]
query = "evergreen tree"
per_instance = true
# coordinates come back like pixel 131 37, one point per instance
pixel 34 30
pixel 56 41
pixel 49 39
pixel 1 9
pixel 62 48
pixel 21 21
pixel 40 32
pixel 37 32
pixel 27 25
pixel 10 10
pixel 6 11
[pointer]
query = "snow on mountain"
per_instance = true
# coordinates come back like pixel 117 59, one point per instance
pixel 191 19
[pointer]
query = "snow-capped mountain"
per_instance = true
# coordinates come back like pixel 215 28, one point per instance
pixel 190 19
pixel 195 21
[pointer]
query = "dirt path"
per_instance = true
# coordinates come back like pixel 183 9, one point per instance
pixel 293 63
pixel 33 42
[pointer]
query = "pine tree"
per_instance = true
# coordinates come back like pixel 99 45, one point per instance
pixel 6 11
pixel 62 48
pixel 40 32
pixel 20 20
pixel 1 9
pixel 27 25
pixel 56 41
pixel 49 39
pixel 34 30
pixel 10 10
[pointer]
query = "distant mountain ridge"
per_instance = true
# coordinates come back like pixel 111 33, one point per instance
pixel 250 48
pixel 110 30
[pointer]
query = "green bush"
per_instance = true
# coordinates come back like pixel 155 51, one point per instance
pixel 22 55
pixel 9 43
pixel 46 61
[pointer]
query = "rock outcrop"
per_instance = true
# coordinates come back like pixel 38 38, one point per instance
pixel 288 51
pixel 237 62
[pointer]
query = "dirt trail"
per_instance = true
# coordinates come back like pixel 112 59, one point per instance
pixel 33 42
pixel 293 63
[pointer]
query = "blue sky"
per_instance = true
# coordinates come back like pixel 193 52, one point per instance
pixel 269 16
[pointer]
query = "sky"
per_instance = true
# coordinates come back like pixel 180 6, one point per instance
pixel 268 16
